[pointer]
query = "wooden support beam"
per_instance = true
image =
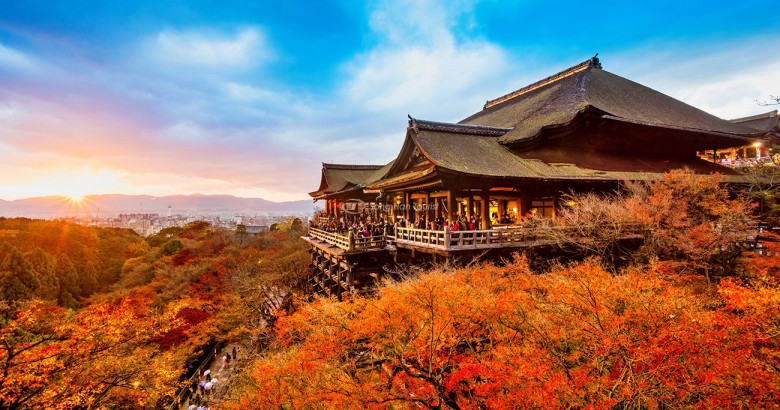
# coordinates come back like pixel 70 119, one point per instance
pixel 427 209
pixel 407 206
pixel 485 209
pixel 450 206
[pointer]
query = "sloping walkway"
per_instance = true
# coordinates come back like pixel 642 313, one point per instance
pixel 220 378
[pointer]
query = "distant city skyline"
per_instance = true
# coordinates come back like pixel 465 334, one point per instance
pixel 248 98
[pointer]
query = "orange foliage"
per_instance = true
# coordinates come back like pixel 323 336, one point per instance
pixel 502 337
pixel 55 360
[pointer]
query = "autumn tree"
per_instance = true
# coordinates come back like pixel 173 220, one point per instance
pixel 99 357
pixel 503 337
pixel 694 220
pixel 685 217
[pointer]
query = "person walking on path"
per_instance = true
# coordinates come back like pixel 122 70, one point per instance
pixel 224 361
pixel 234 353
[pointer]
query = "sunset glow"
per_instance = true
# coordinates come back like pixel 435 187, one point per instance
pixel 72 183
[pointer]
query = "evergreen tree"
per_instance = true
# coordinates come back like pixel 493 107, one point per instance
pixel 18 281
pixel 69 282
pixel 44 266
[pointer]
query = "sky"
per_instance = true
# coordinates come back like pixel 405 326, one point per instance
pixel 248 98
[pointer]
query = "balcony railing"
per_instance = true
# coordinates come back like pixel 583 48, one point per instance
pixel 447 240
pixel 350 242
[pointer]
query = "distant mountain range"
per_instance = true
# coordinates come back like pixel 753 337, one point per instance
pixel 49 206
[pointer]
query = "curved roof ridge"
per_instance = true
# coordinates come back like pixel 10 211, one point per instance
pixel 362 167
pixel 457 128
pixel 769 114
pixel 593 62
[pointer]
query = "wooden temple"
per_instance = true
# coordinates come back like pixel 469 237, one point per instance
pixel 768 125
pixel 582 129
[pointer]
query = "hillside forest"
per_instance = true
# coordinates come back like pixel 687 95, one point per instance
pixel 684 315
pixel 103 318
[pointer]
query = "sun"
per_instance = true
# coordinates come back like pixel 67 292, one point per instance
pixel 75 194
pixel 76 197
pixel 77 184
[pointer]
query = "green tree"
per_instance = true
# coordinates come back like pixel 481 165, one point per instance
pixel 43 265
pixel 172 247
pixel 69 282
pixel 18 281
pixel 241 233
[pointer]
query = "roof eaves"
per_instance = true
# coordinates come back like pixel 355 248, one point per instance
pixel 769 114
pixel 382 183
pixel 746 137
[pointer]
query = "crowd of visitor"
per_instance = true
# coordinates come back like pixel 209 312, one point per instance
pixel 202 388
pixel 366 225
pixel 363 226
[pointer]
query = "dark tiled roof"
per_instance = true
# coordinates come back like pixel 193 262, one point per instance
pixel 557 100
pixel 767 122
pixel 338 177
pixel 379 173
pixel 485 156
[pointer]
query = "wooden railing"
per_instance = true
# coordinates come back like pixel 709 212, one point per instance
pixel 447 240
pixel 350 242
pixel 421 237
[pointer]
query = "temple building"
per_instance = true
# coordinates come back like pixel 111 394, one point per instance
pixel 768 124
pixel 582 129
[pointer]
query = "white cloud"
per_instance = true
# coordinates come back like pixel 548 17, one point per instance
pixel 420 65
pixel 186 131
pixel 724 80
pixel 245 92
pixel 246 49
pixel 440 79
pixel 16 60
pixel 737 94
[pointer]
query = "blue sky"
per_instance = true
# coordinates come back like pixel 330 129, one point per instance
pixel 248 98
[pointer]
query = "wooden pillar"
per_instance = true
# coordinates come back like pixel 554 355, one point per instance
pixel 469 206
pixel 407 207
pixel 450 205
pixel 485 209
pixel 427 208
pixel 526 205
